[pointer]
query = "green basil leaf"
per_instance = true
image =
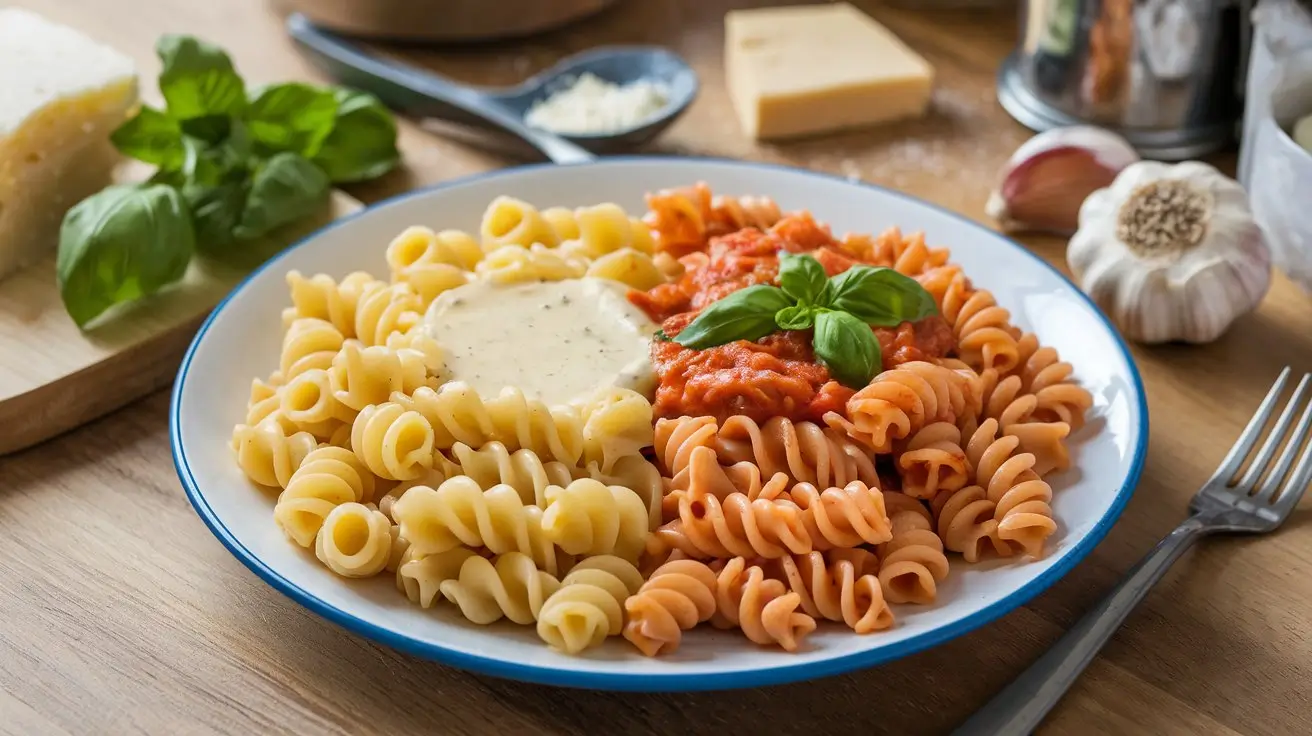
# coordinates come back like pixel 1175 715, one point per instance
pixel 151 136
pixel 803 278
pixel 198 79
pixel 216 212
pixel 881 296
pixel 284 189
pixel 291 117
pixel 122 244
pixel 211 129
pixel 746 314
pixel 797 317
pixel 847 347
pixel 362 144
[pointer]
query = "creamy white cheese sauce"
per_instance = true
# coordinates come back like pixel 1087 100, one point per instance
pixel 557 341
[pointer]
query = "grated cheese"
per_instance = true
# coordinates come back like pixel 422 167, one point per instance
pixel 590 105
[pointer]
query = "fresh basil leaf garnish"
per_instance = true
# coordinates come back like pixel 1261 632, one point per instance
pixel 804 279
pixel 746 314
pixel 881 296
pixel 847 347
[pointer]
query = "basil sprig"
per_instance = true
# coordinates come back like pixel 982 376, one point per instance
pixel 841 310
pixel 234 164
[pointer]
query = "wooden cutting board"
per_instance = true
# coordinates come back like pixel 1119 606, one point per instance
pixel 54 377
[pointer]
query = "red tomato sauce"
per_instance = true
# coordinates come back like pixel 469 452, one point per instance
pixel 777 375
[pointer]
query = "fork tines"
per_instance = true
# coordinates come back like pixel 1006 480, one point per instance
pixel 1281 486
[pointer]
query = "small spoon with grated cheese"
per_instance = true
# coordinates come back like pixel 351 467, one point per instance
pixel 607 100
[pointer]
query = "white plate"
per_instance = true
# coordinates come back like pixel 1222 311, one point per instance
pixel 241 340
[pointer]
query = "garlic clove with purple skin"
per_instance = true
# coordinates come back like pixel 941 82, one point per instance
pixel 1171 252
pixel 1046 180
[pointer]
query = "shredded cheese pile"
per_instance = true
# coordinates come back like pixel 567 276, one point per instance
pixel 591 105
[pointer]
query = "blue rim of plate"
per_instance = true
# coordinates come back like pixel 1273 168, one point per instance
pixel 648 682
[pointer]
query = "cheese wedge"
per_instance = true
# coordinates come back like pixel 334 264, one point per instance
pixel 61 95
pixel 805 70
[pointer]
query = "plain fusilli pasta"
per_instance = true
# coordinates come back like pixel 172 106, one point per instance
pixel 510 587
pixel 355 541
pixel 589 606
pixel 327 478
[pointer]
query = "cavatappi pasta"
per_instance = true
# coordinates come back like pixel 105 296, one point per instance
pixel 750 490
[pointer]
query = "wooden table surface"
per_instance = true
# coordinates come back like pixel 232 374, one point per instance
pixel 120 613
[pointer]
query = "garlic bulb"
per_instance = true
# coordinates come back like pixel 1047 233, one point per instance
pixel 1046 180
pixel 1171 252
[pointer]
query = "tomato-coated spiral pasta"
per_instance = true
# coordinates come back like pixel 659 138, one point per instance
pixel 1007 476
pixel 355 541
pixel 983 330
pixel 588 518
pixel 965 523
pixel 933 461
pixel 327 478
pixel 704 475
pixel 900 402
pixel 1006 400
pixel 420 577
pixel 807 452
pixel 840 585
pixel 736 526
pixel 268 454
pixel 1044 375
pixel 676 597
pixel 845 516
pixel 804 451
pixel 911 563
pixel 906 254
pixel 393 443
pixel 764 609
pixel 1003 398
pixel 589 605
pixel 511 586
pixel 684 219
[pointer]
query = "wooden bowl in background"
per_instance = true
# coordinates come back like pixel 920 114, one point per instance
pixel 444 20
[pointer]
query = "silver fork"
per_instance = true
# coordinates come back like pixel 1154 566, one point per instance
pixel 1244 506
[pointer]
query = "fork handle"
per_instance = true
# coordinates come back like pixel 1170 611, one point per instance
pixel 1020 707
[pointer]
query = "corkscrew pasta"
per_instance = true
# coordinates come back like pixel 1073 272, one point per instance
pixel 749 488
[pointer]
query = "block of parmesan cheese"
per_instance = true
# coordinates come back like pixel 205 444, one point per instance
pixel 61 95
pixel 797 71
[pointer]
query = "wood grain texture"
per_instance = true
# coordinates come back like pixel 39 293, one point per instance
pixel 122 614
